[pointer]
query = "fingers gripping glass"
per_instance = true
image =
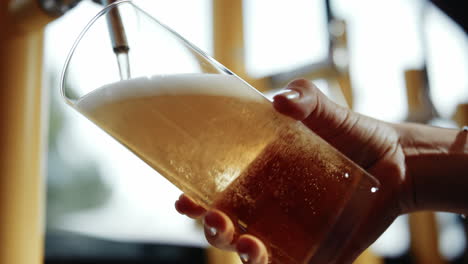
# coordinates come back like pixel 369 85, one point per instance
pixel 215 137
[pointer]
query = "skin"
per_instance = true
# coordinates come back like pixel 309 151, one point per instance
pixel 419 168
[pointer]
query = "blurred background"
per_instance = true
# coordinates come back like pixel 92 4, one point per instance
pixel 398 60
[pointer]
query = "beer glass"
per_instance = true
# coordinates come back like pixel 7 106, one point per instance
pixel 215 137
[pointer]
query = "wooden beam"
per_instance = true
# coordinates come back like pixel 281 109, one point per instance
pixel 344 82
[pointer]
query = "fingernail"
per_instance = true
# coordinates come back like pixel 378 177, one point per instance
pixel 210 222
pixel 212 231
pixel 290 94
pixel 244 257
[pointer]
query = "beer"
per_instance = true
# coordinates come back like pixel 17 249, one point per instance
pixel 223 144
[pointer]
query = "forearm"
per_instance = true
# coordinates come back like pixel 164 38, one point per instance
pixel 437 166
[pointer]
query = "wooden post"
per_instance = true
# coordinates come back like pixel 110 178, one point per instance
pixel 228 33
pixel 424 238
pixel 22 128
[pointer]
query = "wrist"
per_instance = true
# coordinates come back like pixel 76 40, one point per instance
pixel 436 167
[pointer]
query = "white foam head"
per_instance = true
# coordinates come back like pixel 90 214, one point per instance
pixel 178 84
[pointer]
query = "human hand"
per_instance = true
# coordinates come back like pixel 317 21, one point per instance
pixel 372 144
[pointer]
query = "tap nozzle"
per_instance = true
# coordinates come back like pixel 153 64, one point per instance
pixel 116 29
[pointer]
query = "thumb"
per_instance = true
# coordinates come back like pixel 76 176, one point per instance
pixel 302 101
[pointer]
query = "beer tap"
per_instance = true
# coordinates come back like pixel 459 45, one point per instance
pixel 116 29
pixel 118 39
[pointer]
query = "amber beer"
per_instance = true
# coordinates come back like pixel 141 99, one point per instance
pixel 223 144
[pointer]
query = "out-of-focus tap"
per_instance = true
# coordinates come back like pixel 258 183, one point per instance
pixel 116 30
pixel 118 38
